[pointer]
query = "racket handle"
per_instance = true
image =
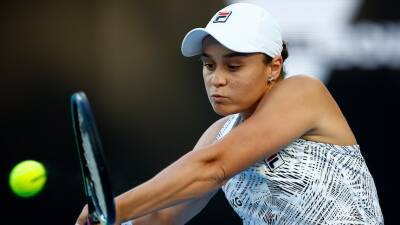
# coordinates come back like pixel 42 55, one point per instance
pixel 92 221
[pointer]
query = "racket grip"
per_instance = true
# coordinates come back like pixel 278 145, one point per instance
pixel 92 221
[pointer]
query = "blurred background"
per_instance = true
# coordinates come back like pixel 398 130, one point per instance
pixel 149 101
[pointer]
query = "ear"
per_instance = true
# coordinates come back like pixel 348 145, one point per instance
pixel 276 66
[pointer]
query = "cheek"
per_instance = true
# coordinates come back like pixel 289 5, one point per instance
pixel 206 82
pixel 247 87
pixel 248 91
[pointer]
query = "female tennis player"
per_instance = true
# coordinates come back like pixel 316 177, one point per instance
pixel 283 152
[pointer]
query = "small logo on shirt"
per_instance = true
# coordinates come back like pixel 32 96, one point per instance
pixel 222 16
pixel 274 161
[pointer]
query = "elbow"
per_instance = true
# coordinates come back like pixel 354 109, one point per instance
pixel 211 167
pixel 221 176
pixel 217 175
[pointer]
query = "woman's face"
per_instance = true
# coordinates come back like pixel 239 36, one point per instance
pixel 235 82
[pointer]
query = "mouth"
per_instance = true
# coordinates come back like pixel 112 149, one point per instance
pixel 217 97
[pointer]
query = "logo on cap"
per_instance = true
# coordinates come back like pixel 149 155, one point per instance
pixel 222 16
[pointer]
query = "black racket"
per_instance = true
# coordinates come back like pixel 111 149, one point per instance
pixel 94 173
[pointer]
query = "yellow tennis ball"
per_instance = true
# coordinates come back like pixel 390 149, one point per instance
pixel 27 178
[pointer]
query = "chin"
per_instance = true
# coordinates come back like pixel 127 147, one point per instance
pixel 224 110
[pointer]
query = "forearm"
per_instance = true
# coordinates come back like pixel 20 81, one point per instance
pixel 193 175
pixel 160 217
pixel 176 215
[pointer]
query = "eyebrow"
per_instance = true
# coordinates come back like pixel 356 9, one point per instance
pixel 228 55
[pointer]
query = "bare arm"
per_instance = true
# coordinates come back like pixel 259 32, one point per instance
pixel 182 213
pixel 175 215
pixel 291 109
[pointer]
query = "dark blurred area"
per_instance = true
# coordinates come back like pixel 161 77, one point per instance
pixel 148 100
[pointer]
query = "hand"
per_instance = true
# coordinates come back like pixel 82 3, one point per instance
pixel 83 217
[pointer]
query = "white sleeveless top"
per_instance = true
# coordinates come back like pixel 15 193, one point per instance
pixel 305 183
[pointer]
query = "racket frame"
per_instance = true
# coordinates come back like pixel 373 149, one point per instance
pixel 80 103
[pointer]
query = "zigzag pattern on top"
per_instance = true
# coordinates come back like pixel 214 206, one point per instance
pixel 305 183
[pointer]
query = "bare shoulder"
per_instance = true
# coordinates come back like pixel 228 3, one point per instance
pixel 209 136
pixel 303 103
pixel 309 95
pixel 303 84
pixel 299 90
pixel 303 78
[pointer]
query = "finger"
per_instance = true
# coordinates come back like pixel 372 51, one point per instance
pixel 82 217
pixel 81 221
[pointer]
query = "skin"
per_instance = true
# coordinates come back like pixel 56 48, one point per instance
pixel 238 80
pixel 276 113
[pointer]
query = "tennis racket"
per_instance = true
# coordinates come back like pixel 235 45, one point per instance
pixel 94 173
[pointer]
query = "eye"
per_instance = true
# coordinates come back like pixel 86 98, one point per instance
pixel 233 67
pixel 208 66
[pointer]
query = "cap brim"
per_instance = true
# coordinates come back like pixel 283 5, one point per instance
pixel 192 42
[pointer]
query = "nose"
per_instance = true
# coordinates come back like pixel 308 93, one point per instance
pixel 218 79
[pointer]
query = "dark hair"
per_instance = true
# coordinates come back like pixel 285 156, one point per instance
pixel 284 54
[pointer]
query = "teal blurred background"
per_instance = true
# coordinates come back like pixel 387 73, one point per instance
pixel 148 100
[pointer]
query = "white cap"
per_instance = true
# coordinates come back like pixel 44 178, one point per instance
pixel 240 27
